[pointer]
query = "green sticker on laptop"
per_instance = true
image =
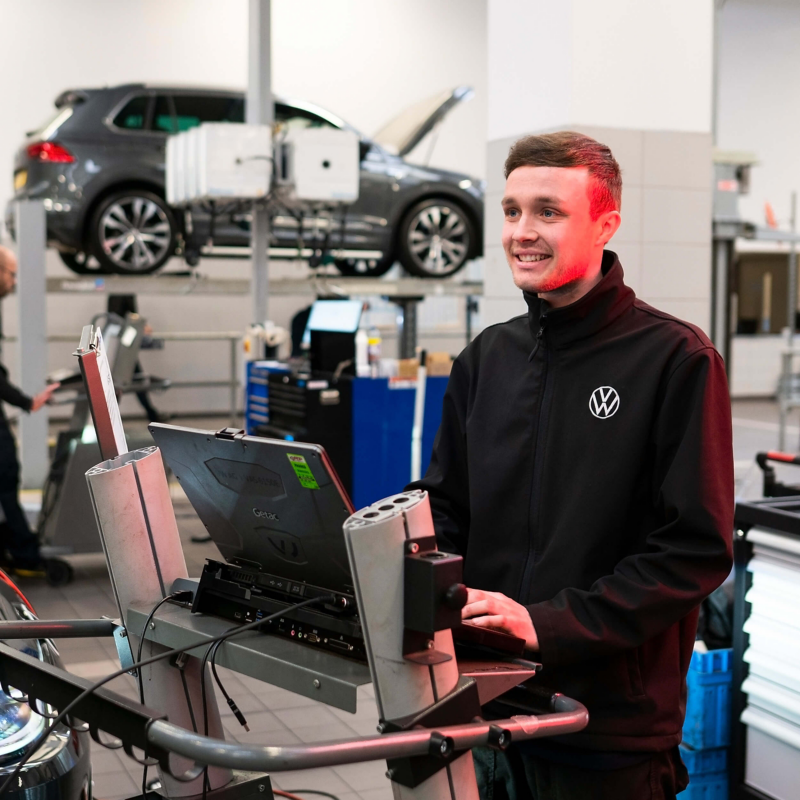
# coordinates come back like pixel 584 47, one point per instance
pixel 303 471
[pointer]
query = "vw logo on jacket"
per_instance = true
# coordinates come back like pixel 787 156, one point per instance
pixel 604 402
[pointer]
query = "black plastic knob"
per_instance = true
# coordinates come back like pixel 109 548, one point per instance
pixel 456 596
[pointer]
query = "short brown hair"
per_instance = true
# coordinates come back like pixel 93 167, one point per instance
pixel 570 149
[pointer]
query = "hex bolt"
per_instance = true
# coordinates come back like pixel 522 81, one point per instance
pixel 380 727
pixel 390 774
pixel 316 683
pixel 413 547
pixel 429 644
pixel 152 626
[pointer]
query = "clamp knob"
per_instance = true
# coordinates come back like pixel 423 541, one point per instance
pixel 456 596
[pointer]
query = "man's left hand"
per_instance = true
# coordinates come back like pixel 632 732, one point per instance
pixel 500 613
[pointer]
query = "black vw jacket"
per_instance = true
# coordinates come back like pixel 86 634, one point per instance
pixel 584 468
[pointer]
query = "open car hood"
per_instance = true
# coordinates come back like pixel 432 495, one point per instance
pixel 407 129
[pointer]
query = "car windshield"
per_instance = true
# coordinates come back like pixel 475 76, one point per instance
pixel 50 128
pixel 404 127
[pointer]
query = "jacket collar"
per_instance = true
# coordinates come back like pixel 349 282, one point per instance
pixel 604 303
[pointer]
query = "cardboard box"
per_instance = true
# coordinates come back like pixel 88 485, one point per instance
pixel 407 368
pixel 439 364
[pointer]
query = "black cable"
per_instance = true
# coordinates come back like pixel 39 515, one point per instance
pixel 294 792
pixel 139 678
pixel 228 699
pixel 40 740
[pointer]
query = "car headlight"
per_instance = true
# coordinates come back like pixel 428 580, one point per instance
pixel 19 726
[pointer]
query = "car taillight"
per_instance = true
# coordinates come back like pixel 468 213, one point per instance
pixel 51 152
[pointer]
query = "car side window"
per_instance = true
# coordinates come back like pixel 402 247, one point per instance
pixel 192 110
pixel 162 115
pixel 289 118
pixel 133 116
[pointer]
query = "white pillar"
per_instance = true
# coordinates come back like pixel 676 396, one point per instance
pixel 638 77
pixel 32 288
pixel 260 111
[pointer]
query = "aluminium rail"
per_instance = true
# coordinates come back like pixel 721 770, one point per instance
pixel 104 711
pixel 232 382
pixel 568 716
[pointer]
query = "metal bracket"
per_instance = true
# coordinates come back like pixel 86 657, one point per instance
pixel 230 433
pixel 433 599
pixel 124 651
pixel 462 705
pixel 103 710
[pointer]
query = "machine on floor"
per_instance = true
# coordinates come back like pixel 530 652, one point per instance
pixel 66 521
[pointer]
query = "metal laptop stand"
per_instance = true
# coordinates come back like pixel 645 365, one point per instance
pixel 429 709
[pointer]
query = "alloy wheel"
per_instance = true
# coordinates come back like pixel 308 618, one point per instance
pixel 438 239
pixel 135 234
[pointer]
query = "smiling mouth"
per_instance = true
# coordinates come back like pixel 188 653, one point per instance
pixel 530 258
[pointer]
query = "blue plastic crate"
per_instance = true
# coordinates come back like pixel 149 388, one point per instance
pixel 706 787
pixel 708 706
pixel 714 662
pixel 702 762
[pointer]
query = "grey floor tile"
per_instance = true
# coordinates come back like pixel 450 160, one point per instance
pixel 362 727
pixel 323 733
pixel 302 717
pixel 262 721
pixel 367 775
pixel 104 761
pixel 247 702
pixel 282 736
pixel 114 785
pixel 377 794
pixel 325 779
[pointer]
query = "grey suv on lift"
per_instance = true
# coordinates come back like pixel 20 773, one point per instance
pixel 98 165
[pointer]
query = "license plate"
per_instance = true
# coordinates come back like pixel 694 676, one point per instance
pixel 20 179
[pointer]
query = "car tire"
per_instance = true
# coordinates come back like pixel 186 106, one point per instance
pixel 365 267
pixel 435 239
pixel 79 264
pixel 133 232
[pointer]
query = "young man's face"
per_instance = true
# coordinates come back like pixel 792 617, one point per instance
pixel 552 244
pixel 8 273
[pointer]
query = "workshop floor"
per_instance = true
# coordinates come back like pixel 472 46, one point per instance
pixel 276 716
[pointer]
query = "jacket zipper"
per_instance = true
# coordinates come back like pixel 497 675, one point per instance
pixel 533 506
pixel 539 336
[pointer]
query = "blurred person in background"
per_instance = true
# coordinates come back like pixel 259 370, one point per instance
pixel 19 547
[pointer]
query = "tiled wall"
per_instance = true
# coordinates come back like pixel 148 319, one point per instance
pixel 664 242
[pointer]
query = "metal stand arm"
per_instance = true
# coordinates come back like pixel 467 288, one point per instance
pixel 570 716
pixel 57 628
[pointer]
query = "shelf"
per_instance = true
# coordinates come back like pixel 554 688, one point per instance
pixel 199 284
pixel 299 668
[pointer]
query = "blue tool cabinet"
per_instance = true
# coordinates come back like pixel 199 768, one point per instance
pixel 382 418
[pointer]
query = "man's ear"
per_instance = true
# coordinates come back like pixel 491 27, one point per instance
pixel 608 225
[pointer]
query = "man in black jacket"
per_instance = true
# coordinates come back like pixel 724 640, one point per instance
pixel 15 534
pixel 584 470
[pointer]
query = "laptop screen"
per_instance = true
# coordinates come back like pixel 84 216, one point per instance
pixel 333 316
pixel 268 503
